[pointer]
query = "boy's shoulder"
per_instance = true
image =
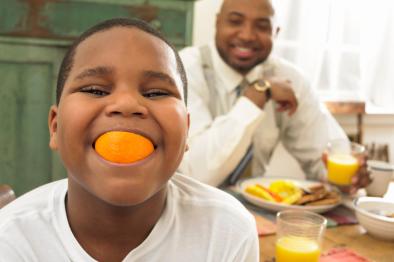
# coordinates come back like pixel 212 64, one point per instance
pixel 191 194
pixel 39 201
pixel 27 223
pixel 34 199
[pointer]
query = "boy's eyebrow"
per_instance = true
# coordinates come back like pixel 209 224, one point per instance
pixel 160 76
pixel 96 71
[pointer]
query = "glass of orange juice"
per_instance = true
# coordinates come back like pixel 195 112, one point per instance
pixel 343 161
pixel 299 235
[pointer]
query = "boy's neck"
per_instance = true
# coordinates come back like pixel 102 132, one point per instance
pixel 107 232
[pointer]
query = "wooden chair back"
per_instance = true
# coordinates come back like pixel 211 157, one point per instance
pixel 6 195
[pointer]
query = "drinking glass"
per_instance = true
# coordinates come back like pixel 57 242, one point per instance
pixel 343 161
pixel 299 235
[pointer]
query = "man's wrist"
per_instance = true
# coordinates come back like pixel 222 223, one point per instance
pixel 263 86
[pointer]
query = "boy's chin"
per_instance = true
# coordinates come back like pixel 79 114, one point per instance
pixel 124 197
pixel 112 196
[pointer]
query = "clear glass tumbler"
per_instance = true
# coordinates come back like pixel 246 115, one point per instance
pixel 299 236
pixel 343 161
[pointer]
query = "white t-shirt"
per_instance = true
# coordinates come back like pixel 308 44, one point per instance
pixel 221 140
pixel 200 223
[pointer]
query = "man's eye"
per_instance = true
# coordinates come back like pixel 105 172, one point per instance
pixel 94 90
pixel 235 22
pixel 264 27
pixel 155 94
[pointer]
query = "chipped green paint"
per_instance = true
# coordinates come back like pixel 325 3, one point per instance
pixel 66 19
pixel 26 92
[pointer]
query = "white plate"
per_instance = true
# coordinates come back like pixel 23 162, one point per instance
pixel 266 181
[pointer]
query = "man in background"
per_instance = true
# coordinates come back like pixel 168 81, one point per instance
pixel 241 96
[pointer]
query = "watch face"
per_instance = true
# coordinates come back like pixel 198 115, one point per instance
pixel 262 83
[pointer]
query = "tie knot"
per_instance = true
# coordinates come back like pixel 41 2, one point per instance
pixel 241 86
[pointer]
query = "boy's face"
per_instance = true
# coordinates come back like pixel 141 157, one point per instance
pixel 121 79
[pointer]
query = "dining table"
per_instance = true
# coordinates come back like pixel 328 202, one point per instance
pixel 351 237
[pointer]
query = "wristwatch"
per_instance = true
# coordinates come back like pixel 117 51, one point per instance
pixel 263 86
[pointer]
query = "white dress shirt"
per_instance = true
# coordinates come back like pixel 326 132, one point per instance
pixel 218 142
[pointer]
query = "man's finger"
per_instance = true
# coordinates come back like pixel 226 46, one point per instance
pixel 324 157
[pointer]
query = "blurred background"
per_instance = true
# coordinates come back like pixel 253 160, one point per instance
pixel 343 47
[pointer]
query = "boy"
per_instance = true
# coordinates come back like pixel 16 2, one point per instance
pixel 121 75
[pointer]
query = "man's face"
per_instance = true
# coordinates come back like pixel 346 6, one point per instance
pixel 127 80
pixel 244 33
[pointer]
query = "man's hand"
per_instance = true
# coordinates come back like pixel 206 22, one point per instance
pixel 360 180
pixel 281 93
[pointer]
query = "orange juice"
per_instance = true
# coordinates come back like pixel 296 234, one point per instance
pixel 341 168
pixel 297 249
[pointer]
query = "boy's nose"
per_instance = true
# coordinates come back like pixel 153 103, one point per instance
pixel 127 104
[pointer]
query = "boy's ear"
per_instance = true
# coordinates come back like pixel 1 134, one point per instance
pixel 52 125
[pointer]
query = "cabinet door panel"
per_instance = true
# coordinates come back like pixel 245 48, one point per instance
pixel 26 93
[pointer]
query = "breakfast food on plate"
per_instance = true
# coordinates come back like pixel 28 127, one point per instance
pixel 330 199
pixel 287 192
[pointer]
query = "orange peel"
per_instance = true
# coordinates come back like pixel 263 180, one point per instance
pixel 123 147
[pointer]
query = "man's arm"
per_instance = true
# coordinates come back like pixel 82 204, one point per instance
pixel 306 134
pixel 217 145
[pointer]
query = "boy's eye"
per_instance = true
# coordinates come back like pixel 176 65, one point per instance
pixel 94 90
pixel 155 93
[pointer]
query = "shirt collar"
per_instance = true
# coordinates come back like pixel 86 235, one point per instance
pixel 229 76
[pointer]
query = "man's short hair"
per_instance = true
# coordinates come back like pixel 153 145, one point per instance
pixel 67 62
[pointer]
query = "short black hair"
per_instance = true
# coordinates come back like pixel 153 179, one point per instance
pixel 68 60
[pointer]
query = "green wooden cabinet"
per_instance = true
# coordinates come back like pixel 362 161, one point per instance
pixel 33 38
pixel 27 72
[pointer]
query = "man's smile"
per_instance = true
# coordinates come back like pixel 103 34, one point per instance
pixel 243 51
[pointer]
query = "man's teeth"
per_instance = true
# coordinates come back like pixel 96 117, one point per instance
pixel 244 49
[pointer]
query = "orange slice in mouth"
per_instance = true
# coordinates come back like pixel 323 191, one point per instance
pixel 123 147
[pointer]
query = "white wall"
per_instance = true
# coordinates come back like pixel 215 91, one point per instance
pixel 378 128
pixel 204 20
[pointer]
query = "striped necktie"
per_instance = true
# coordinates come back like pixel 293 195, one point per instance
pixel 240 88
pixel 246 159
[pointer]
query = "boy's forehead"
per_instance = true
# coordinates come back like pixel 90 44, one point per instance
pixel 130 45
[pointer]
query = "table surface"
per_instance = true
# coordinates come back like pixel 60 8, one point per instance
pixel 350 236
pixel 353 237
